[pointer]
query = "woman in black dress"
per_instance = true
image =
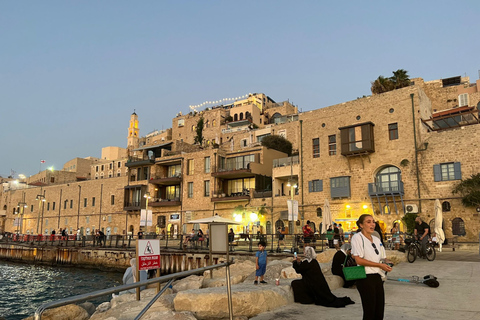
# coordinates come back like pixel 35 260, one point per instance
pixel 313 288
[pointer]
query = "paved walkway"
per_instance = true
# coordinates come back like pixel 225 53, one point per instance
pixel 457 297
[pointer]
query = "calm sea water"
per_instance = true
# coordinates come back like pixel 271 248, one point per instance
pixel 24 287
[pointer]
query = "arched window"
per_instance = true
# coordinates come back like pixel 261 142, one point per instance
pixel 319 212
pixel 386 209
pixel 235 117
pixel 388 179
pixel 279 224
pixel 274 117
pixel 269 227
pixel 247 114
pixel 458 227
pixel 445 206
pixel 214 123
pixel 241 115
pixel 312 225
pixel 207 123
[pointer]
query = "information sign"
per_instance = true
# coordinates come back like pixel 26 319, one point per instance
pixel 148 253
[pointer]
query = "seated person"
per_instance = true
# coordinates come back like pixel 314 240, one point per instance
pixel 313 288
pixel 130 276
pixel 190 237
pixel 339 260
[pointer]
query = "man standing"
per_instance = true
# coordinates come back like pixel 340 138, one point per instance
pixel 422 232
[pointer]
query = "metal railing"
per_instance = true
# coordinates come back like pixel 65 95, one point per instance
pixel 88 296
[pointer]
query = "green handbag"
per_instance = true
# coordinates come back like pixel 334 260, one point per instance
pixel 354 273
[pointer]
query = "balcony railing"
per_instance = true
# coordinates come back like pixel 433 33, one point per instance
pixel 283 162
pixel 166 180
pixel 139 160
pixel 165 202
pixel 383 188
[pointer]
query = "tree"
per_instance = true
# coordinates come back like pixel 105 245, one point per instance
pixel 409 220
pixel 199 131
pixel 469 189
pixel 400 79
pixel 278 143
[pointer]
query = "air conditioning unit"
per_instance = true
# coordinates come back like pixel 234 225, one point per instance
pixel 411 208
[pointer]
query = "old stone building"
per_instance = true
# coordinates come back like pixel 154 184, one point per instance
pixel 386 154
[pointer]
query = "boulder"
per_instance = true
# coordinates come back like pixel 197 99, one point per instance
pixel 248 300
pixel 239 271
pixel 103 307
pixel 68 312
pixel 290 273
pixel 274 271
pixel 188 283
pixel 171 315
pixel 326 256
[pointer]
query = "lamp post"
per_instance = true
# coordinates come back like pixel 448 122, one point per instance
pixel 41 203
pixel 146 196
pixel 21 210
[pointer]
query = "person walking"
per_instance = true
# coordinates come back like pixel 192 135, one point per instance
pixel 368 252
pixel 260 262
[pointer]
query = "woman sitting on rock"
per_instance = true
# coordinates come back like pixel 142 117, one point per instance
pixel 313 288
pixel 341 257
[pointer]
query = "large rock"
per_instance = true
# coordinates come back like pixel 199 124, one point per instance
pixel 274 271
pixel 68 312
pixel 188 283
pixel 90 307
pixel 326 256
pixel 171 315
pixel 239 271
pixel 247 300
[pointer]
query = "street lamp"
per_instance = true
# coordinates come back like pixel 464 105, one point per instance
pixel 147 197
pixel 41 203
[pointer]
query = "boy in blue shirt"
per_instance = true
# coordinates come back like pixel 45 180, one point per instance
pixel 261 262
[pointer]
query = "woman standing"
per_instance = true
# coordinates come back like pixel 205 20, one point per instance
pixel 396 235
pixel 368 252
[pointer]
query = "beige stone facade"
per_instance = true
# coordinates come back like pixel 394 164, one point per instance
pixel 376 155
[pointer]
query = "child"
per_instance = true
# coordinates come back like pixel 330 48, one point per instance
pixel 261 262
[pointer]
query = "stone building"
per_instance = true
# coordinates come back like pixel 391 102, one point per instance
pixel 386 154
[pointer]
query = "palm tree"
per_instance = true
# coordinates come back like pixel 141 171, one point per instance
pixel 382 85
pixel 400 78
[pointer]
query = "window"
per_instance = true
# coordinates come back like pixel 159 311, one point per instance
pixel 207 164
pixel 109 219
pixel 174 171
pixel 53 205
pixel 172 193
pixel 244 143
pixel 240 185
pixel 93 201
pixel 357 139
pixel 463 100
pixel 388 180
pixel 458 227
pixel 446 206
pixel 96 176
pixel 119 164
pixel 315 186
pixel 71 204
pixel 190 166
pixel 31 208
pixel 206 185
pixel 65 204
pixel 190 189
pixel 316 147
pixel 66 221
pixel 110 167
pixel 236 163
pixel 447 171
pixel 101 175
pixel 214 123
pixel 96 168
pixel 85 202
pixel 87 219
pixel 332 145
pixel 340 187
pixel 393 131
pixel 48 206
pixel 319 212
pixel 103 167
pixel 112 199
pixel 119 173
pixel 261 137
pixel 52 179
pixel 181 122
pixel 109 174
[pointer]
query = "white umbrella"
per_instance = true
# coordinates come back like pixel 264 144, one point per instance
pixel 438 224
pixel 214 219
pixel 327 217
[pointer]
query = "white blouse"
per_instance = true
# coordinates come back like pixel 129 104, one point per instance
pixel 362 247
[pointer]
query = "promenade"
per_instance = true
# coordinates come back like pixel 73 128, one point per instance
pixel 457 297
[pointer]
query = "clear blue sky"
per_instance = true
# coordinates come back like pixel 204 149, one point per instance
pixel 72 72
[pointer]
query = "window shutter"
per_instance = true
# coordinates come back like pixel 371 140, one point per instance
pixel 310 186
pixel 344 141
pixel 457 171
pixel 437 173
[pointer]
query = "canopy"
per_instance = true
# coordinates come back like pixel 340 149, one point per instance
pixel 327 216
pixel 439 222
pixel 214 219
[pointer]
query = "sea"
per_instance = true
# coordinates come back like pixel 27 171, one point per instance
pixel 25 287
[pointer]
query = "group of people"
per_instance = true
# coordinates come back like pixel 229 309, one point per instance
pixel 335 236
pixel 365 249
pixel 63 233
pixel 193 236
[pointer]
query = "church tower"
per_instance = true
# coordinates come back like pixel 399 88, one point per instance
pixel 133 138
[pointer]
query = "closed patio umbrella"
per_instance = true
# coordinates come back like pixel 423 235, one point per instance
pixel 438 224
pixel 327 217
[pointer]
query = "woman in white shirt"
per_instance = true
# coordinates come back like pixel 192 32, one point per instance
pixel 368 252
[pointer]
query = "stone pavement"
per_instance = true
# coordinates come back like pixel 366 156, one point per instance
pixel 457 297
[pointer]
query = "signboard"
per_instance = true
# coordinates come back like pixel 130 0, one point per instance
pixel 145 219
pixel 174 217
pixel 148 253
pixel 219 237
pixel 292 210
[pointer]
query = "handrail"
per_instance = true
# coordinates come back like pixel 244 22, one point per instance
pixel 103 292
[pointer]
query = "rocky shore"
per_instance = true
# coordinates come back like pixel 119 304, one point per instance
pixel 205 296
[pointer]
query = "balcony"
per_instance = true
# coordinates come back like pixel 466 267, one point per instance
pixel 232 172
pixel 139 161
pixel 166 181
pixel 234 196
pixel 165 202
pixel 132 205
pixel 386 188
pixel 357 139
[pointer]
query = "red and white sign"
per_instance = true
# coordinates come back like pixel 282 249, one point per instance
pixel 148 253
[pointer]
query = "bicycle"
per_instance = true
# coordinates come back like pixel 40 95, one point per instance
pixel 414 249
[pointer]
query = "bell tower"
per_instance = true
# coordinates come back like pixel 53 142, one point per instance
pixel 133 138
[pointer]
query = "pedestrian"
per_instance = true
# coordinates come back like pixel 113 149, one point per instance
pixel 64 234
pixel 396 237
pixel 341 259
pixel 342 233
pixel 336 236
pixel 260 262
pixel 78 234
pixel 101 237
pixel 329 236
pixel 308 234
pixel 281 239
pixel 368 252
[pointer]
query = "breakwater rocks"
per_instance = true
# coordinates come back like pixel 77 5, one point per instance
pixel 205 296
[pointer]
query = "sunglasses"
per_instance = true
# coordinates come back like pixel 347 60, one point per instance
pixel 375 247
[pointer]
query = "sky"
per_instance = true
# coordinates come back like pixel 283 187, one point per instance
pixel 72 72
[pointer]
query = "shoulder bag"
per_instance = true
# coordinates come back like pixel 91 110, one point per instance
pixel 353 273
